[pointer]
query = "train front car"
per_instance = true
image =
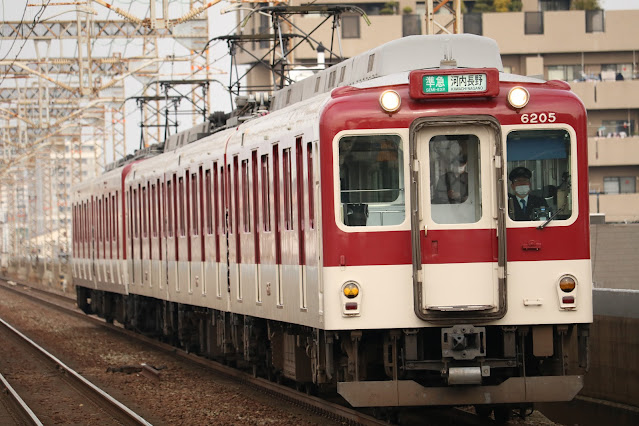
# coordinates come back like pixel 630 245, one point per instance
pixel 455 230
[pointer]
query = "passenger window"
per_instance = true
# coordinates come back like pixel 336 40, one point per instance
pixel 538 174
pixel 455 179
pixel 371 174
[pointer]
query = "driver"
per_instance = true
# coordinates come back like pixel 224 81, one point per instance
pixel 522 203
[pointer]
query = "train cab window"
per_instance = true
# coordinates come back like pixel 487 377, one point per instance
pixel 455 178
pixel 371 180
pixel 538 172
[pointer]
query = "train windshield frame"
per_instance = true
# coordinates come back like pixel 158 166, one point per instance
pixel 541 171
pixel 370 179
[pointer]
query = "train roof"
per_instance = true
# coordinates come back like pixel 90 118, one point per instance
pixel 395 57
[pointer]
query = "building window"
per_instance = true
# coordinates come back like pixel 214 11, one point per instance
pixel 534 22
pixel 264 28
pixel 411 25
pixel 611 72
pixel 554 4
pixel 565 72
pixel 595 21
pixel 620 185
pixel 473 23
pixel 350 26
pixel 616 128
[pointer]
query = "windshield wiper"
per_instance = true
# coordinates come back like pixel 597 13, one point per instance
pixel 543 225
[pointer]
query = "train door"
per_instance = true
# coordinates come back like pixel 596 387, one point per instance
pixel 171 230
pixel 458 226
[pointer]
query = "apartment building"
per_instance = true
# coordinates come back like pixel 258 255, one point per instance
pixel 596 52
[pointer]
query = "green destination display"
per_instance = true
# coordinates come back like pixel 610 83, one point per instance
pixel 454 83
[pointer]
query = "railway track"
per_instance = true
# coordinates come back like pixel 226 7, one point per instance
pixel 324 408
pixel 51 391
pixel 12 406
pixel 329 410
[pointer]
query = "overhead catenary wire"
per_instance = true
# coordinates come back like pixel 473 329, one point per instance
pixel 37 16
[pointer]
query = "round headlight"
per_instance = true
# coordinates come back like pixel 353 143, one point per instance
pixel 567 284
pixel 518 97
pixel 390 101
pixel 351 290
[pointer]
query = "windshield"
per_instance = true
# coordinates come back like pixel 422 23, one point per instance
pixel 538 171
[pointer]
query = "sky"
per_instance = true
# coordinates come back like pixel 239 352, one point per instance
pixel 619 4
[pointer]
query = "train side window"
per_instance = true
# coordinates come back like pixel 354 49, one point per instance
pixel 371 180
pixel 455 178
pixel 229 199
pixel 288 190
pixel 246 204
pixel 195 223
pixel 153 204
pixel 235 195
pixel 169 208
pixel 539 175
pixel 158 207
pixel 181 201
pixel 216 199
pixel 144 213
pixel 107 226
pixel 222 200
pixel 311 184
pixel 116 226
pixel 255 211
pixel 100 222
pixel 208 203
pixel 266 194
pixel 135 213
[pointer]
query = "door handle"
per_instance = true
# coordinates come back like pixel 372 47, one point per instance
pixel 532 245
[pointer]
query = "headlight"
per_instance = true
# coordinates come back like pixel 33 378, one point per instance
pixel 518 97
pixel 567 284
pixel 351 290
pixel 390 101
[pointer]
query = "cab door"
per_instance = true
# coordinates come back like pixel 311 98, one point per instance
pixel 458 225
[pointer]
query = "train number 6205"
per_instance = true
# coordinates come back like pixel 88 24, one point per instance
pixel 542 117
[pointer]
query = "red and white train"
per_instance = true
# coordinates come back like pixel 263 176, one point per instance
pixel 366 234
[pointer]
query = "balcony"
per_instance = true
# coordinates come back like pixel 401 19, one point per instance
pixel 613 151
pixel 598 95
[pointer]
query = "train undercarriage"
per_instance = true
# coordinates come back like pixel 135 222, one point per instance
pixel 491 367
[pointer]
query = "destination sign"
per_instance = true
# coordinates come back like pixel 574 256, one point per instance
pixel 455 83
